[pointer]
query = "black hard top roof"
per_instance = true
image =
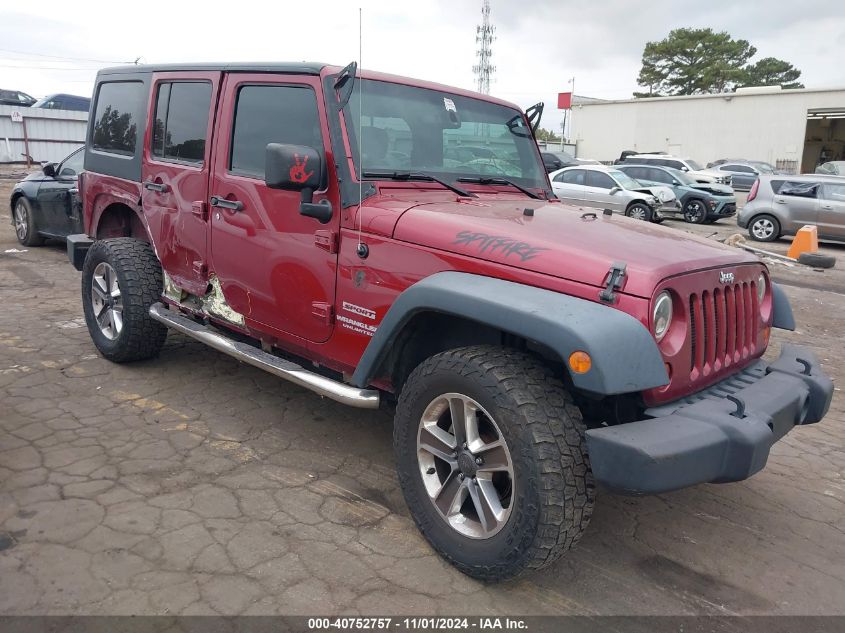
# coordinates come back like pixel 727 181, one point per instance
pixel 296 68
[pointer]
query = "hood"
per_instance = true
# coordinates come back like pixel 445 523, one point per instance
pixel 36 175
pixel 711 187
pixel 563 241
pixel 664 194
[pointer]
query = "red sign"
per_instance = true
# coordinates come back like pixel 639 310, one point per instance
pixel 564 100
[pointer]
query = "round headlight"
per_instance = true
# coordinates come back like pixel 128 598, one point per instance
pixel 662 316
pixel 761 288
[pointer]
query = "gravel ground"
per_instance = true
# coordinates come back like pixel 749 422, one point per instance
pixel 191 484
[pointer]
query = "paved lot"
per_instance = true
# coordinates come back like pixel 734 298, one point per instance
pixel 191 484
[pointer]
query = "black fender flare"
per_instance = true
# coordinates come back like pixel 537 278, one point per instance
pixel 782 317
pixel 625 357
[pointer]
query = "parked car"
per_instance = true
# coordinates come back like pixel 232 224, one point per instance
pixel 700 202
pixel 64 102
pixel 16 98
pixel 46 203
pixel 744 173
pixel 682 164
pixel 553 161
pixel 608 188
pixel 833 168
pixel 533 352
pixel 631 152
pixel 765 167
pixel 780 205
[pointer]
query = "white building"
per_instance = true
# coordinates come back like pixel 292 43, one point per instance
pixel 798 128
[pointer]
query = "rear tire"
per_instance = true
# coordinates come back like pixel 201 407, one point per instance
pixel 25 228
pixel 545 488
pixel 764 228
pixel 121 279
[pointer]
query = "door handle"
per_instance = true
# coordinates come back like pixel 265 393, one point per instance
pixel 827 207
pixel 234 205
pixel 156 186
pixel 780 200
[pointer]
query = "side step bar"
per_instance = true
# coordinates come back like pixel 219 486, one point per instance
pixel 352 396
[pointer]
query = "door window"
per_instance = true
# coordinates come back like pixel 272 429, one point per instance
pixel 181 121
pixel 798 189
pixel 272 114
pixel 833 192
pixel 72 165
pixel 658 175
pixel 599 180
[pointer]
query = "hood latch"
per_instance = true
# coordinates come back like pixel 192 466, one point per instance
pixel 614 281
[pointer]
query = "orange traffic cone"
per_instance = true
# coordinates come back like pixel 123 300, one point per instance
pixel 805 241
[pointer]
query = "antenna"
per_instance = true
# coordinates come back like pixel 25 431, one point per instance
pixel 362 248
pixel 485 35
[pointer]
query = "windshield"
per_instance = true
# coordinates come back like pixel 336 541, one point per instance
pixel 411 129
pixel 693 165
pixel 624 180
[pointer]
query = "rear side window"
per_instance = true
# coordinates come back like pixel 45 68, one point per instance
pixel 272 114
pixel 119 108
pixel 181 122
pixel 676 164
pixel 574 176
pixel 835 192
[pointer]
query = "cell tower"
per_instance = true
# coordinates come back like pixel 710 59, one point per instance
pixel 485 35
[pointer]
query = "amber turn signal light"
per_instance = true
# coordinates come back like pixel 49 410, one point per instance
pixel 764 335
pixel 580 362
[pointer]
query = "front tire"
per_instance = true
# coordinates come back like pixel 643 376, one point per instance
pixel 639 211
pixel 121 279
pixel 521 492
pixel 695 211
pixel 25 229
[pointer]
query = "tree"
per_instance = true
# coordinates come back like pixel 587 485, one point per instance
pixel 546 135
pixel 693 61
pixel 770 71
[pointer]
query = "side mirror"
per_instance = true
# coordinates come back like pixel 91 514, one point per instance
pixel 49 170
pixel 615 190
pixel 675 183
pixel 684 168
pixel 297 168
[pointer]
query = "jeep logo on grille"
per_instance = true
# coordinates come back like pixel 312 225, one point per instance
pixel 726 278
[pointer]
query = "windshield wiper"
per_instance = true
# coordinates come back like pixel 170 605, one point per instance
pixel 501 181
pixel 417 175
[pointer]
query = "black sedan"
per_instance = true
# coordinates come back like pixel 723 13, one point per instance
pixel 46 204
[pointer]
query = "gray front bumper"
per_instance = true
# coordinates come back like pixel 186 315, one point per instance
pixel 723 433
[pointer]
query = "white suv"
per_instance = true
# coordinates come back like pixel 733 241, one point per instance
pixel 684 164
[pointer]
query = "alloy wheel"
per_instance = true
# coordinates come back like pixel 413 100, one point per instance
pixel 107 301
pixel 763 228
pixel 21 221
pixel 465 466
pixel 694 212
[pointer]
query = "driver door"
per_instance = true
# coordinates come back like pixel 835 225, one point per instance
pixel 598 194
pixel 275 266
pixel 55 196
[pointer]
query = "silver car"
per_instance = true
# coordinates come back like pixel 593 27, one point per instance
pixel 833 168
pixel 610 188
pixel 780 205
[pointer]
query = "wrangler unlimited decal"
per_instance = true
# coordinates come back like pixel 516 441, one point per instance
pixel 497 243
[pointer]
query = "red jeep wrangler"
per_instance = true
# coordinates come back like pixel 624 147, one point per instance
pixel 372 237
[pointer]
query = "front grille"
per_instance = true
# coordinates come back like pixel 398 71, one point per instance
pixel 721 327
pixel 728 209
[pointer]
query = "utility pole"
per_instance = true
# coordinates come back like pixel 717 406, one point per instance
pixel 485 35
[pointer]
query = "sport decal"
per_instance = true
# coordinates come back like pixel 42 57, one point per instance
pixel 297 170
pixel 364 312
pixel 507 246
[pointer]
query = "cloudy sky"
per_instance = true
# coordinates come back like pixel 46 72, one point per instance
pixel 48 46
